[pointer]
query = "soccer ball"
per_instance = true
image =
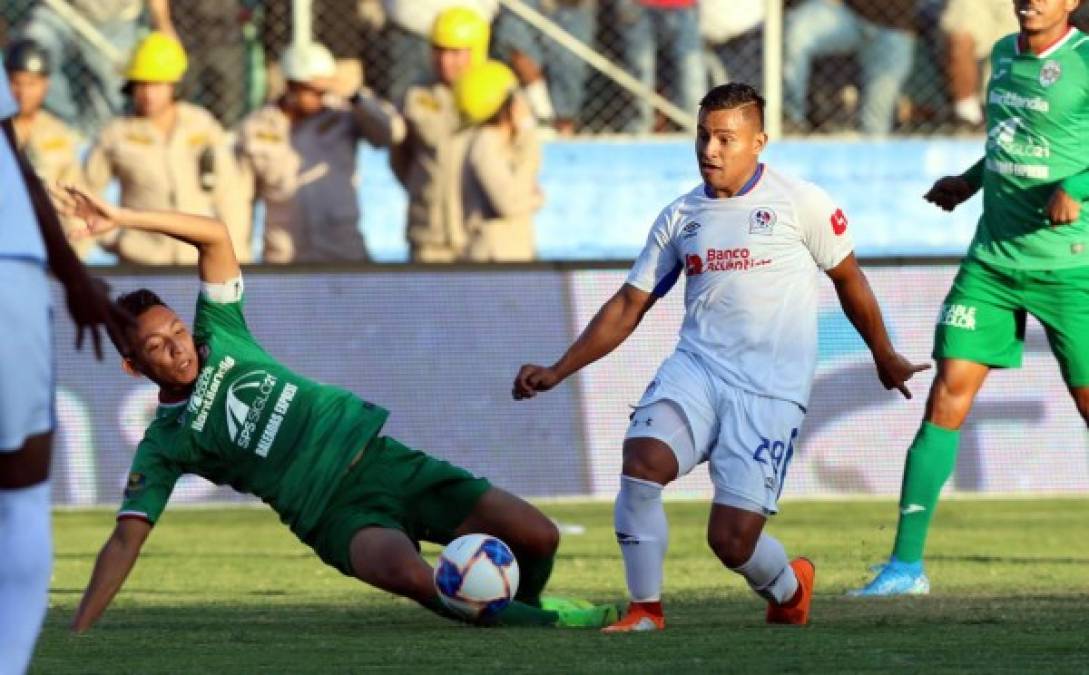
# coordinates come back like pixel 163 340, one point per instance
pixel 476 576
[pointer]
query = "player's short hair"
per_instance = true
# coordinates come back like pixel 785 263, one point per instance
pixel 136 303
pixel 734 95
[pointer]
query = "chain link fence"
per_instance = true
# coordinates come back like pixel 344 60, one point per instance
pixel 869 66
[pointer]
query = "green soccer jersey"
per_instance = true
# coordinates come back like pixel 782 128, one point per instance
pixel 252 424
pixel 1037 139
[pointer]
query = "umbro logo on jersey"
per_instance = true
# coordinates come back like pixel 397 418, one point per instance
pixel 690 230
pixel 625 539
pixel 762 221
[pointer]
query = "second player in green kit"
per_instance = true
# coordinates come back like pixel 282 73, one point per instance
pixel 1030 255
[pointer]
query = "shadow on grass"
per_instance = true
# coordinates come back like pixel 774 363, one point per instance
pixel 356 633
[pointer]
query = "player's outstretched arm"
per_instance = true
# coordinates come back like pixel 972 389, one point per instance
pixel 951 191
pixel 87 298
pixel 612 324
pixel 112 567
pixel 216 261
pixel 859 304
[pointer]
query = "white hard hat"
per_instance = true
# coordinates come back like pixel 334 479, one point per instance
pixel 311 61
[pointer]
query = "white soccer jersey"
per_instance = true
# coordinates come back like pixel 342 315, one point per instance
pixel 751 264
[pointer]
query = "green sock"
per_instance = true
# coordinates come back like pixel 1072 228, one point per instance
pixel 521 614
pixel 534 574
pixel 514 614
pixel 930 462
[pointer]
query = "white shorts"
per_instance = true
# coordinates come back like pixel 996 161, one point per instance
pixel 26 353
pixel 748 440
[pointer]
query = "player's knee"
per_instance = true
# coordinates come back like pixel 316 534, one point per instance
pixel 543 539
pixel 1081 400
pixel 947 405
pixel 651 462
pixel 733 548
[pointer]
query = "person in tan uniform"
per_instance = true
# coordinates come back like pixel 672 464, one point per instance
pixel 299 156
pixel 500 192
pixel 49 143
pixel 168 155
pixel 429 161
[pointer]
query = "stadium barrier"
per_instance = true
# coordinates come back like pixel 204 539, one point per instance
pixel 440 347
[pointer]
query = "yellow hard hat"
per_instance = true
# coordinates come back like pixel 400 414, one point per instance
pixel 158 58
pixel 462 28
pixel 483 90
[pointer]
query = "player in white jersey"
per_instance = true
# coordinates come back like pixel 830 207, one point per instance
pixel 750 242
pixel 30 238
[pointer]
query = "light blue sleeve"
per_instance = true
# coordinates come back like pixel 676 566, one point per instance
pixel 8 107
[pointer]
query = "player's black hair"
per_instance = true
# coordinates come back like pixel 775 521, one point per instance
pixel 734 95
pixel 136 303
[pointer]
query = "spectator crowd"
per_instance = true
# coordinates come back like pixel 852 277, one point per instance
pixel 210 107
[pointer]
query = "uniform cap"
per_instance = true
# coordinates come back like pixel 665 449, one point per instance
pixel 27 56
pixel 308 62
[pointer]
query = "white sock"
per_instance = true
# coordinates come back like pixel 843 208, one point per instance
pixel 969 109
pixel 539 101
pixel 643 535
pixel 769 572
pixel 26 540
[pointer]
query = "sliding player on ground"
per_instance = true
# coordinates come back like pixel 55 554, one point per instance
pixel 232 414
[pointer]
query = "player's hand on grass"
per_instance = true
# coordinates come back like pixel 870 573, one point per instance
pixel 1062 209
pixel 949 192
pixel 98 215
pixel 532 379
pixel 894 371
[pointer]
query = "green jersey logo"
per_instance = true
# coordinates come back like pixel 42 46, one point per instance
pixel 245 403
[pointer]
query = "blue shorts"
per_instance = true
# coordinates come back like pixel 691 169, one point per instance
pixel 26 353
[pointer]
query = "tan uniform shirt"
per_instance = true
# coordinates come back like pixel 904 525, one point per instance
pixel 500 194
pixel 158 171
pixel 306 174
pixel 429 165
pixel 53 149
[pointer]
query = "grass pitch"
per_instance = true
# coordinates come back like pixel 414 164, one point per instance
pixel 232 591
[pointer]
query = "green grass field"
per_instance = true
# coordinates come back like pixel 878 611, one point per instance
pixel 232 591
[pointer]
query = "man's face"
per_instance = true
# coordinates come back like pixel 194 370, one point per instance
pixel 163 349
pixel 450 64
pixel 304 99
pixel 29 90
pixel 1038 16
pixel 152 98
pixel 728 147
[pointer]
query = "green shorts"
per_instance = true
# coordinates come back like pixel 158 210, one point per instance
pixel 983 317
pixel 396 487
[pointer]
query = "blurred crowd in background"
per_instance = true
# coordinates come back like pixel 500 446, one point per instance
pixel 207 106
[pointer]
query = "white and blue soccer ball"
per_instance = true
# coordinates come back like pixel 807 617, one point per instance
pixel 476 576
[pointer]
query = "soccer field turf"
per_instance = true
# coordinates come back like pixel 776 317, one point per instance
pixel 232 591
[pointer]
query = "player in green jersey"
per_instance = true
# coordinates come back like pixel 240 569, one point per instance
pixel 231 413
pixel 1030 255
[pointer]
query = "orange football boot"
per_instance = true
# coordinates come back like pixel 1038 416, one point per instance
pixel 640 617
pixel 796 612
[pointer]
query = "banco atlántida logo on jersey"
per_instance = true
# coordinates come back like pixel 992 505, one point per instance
pixel 722 260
